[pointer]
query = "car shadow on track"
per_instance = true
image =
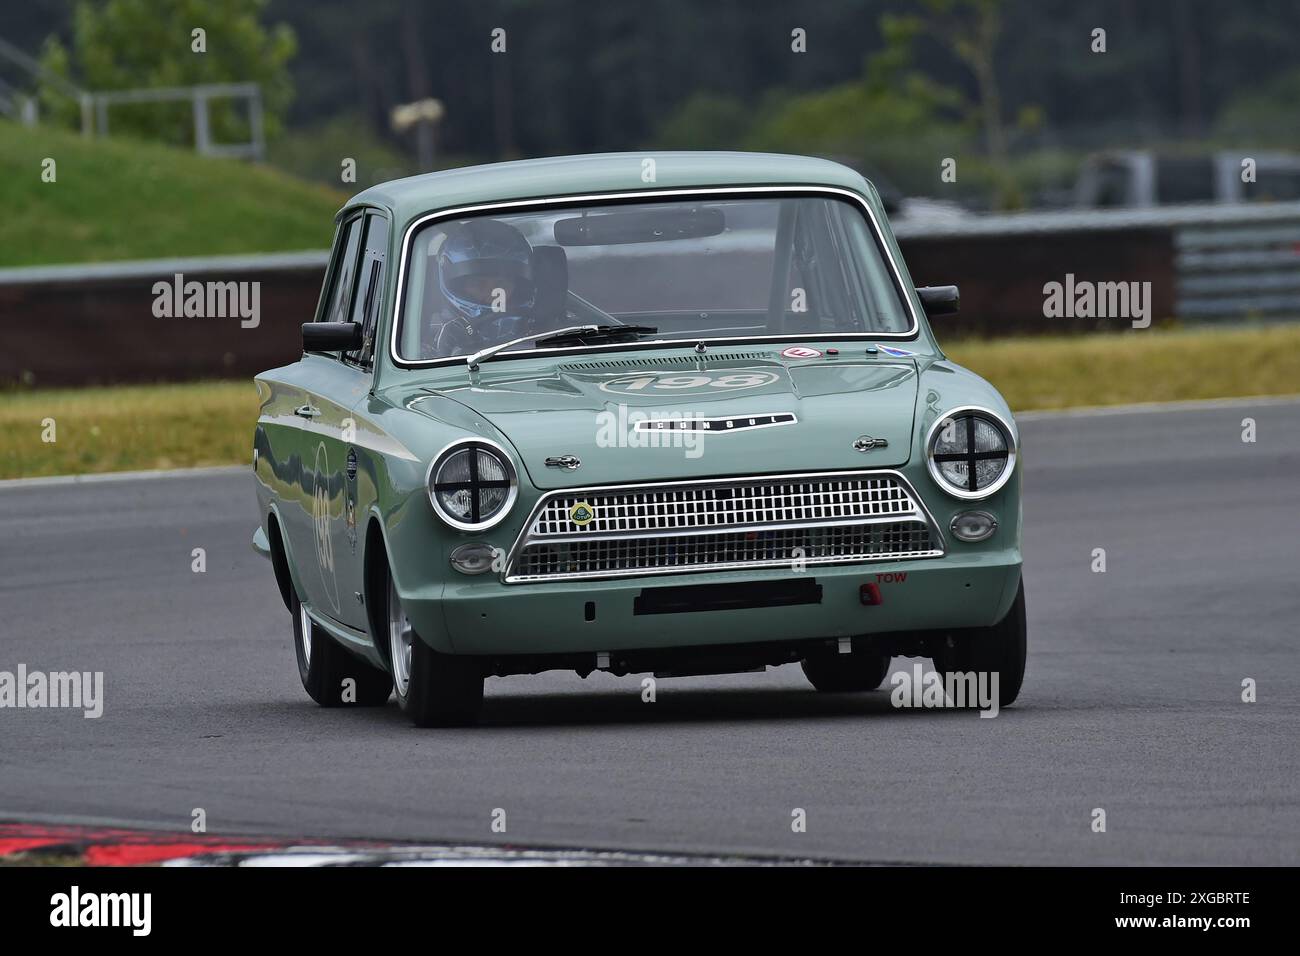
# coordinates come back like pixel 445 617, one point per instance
pixel 509 704
pixel 695 705
pixel 518 709
pixel 610 709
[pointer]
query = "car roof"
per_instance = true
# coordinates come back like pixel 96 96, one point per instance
pixel 415 196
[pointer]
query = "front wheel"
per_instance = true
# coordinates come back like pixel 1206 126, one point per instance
pixel 999 649
pixel 435 690
pixel 331 676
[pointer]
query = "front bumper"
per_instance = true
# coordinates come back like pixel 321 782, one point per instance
pixel 483 616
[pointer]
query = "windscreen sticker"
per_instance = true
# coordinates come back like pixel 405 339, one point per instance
pixel 800 352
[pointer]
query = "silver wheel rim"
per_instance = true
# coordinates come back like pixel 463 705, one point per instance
pixel 401 638
pixel 304 625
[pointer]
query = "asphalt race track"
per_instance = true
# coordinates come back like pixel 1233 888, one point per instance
pixel 1132 700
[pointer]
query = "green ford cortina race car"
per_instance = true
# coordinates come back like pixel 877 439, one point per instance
pixel 679 414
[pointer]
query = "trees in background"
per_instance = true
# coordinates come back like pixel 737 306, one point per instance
pixel 131 44
pixel 1011 89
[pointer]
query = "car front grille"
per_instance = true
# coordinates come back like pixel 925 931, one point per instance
pixel 772 521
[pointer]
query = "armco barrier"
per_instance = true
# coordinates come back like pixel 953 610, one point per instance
pixel 1205 262
pixel 89 324
pixel 95 324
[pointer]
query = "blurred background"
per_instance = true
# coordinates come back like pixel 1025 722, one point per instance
pixel 1014 88
pixel 1015 142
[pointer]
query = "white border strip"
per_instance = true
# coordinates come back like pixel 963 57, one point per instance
pixel 307 260
pixel 1142 408
pixel 109 477
pixel 1038 222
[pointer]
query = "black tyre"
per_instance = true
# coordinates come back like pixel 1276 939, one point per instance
pixel 326 668
pixel 846 673
pixel 998 649
pixel 435 690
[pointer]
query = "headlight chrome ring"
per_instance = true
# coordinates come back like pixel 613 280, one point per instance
pixel 472 484
pixel 979 438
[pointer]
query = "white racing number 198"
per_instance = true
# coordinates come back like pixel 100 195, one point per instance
pixel 693 382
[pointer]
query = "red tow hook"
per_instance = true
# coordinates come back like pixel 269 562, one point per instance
pixel 869 594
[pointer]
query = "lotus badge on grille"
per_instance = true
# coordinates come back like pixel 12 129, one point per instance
pixel 581 513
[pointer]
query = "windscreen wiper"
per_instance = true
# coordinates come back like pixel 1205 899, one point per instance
pixel 578 334
pixel 593 333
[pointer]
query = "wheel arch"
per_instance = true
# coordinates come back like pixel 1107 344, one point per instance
pixel 374 574
pixel 284 577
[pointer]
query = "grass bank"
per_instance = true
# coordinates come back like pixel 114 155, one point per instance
pixel 123 199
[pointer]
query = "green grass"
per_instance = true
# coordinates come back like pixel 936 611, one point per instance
pixel 125 199
pixel 42 859
pixel 126 428
pixel 1151 365
pixel 173 426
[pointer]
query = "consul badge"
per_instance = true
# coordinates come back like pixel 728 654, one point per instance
pixel 564 461
pixel 866 443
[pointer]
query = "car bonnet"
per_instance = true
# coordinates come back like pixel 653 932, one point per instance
pixel 628 420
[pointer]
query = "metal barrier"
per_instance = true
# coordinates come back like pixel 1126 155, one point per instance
pixel 94 323
pixel 1249 269
pixel 1230 262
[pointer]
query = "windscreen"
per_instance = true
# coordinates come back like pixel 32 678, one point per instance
pixel 691 269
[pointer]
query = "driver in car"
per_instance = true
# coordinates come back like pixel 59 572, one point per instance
pixel 485 273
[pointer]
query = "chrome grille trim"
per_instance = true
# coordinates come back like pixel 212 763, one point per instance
pixel 757 521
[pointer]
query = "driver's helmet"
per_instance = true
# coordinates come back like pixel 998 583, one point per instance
pixel 480 257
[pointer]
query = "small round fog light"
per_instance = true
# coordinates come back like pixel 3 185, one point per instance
pixel 974 525
pixel 474 558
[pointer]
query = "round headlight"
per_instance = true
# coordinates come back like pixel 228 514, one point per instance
pixel 472 484
pixel 971 452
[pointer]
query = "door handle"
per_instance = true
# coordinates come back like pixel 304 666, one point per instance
pixel 306 411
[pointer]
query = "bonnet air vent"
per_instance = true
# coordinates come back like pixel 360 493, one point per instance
pixel 685 361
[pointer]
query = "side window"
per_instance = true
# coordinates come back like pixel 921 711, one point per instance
pixel 338 303
pixel 370 286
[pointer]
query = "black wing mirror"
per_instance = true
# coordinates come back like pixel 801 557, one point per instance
pixel 940 299
pixel 331 336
